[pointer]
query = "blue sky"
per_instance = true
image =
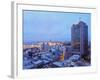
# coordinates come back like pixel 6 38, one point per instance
pixel 54 26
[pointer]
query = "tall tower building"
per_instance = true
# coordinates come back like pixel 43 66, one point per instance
pixel 79 38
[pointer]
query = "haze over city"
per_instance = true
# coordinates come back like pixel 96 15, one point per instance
pixel 55 26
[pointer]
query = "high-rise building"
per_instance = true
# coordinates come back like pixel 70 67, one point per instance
pixel 45 46
pixel 79 38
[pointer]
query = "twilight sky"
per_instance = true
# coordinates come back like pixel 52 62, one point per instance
pixel 54 26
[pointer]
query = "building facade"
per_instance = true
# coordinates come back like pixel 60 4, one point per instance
pixel 79 38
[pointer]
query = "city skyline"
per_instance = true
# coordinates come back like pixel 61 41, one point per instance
pixel 54 26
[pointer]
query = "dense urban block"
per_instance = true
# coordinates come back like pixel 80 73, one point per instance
pixel 57 54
